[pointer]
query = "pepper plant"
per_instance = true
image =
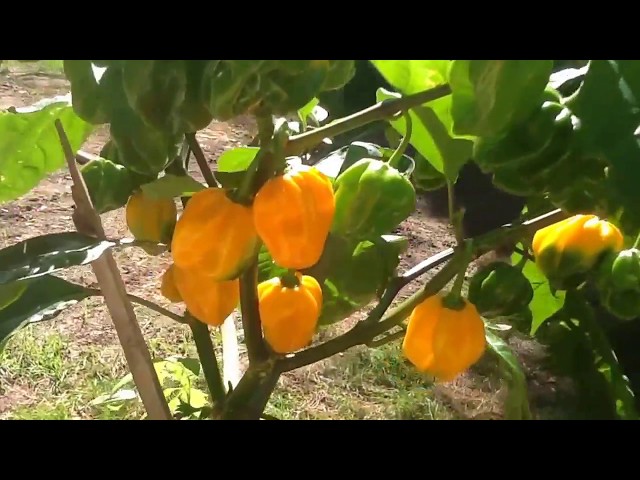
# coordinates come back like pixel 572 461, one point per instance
pixel 297 240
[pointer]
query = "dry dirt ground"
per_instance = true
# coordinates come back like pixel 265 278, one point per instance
pixel 55 369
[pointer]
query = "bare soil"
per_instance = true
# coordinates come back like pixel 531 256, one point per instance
pixel 477 394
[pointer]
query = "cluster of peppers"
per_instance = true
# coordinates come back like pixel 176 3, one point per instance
pixel 327 242
pixel 586 248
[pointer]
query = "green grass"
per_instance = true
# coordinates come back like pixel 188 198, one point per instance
pixel 40 66
pixel 361 384
pixel 61 381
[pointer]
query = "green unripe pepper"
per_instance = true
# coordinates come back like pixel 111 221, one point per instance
pixel 372 198
pixel 619 283
pixel 500 290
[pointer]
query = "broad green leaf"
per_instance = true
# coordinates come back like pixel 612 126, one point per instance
pixel 545 303
pixel 46 254
pixel 352 275
pixel 490 95
pixel 431 139
pixel 517 402
pixel 413 76
pixel 172 186
pixel 109 184
pixel 29 144
pixel 237 159
pixel 10 292
pixel 44 298
pixel 608 107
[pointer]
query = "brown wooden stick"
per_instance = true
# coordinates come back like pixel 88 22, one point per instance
pixel 112 286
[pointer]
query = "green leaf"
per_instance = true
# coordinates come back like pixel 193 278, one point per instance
pixel 431 138
pixel 545 303
pixel 307 111
pixel 517 402
pixel 490 95
pixel 237 159
pixel 433 132
pixel 608 107
pixel 267 269
pixel 109 184
pixel 44 298
pixel 172 186
pixel 10 292
pixel 46 254
pixel 29 143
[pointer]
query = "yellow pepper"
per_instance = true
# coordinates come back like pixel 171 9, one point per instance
pixel 441 341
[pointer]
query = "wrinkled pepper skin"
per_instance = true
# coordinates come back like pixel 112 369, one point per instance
pixel 573 246
pixel 619 283
pixel 168 287
pixel 500 290
pixel 289 314
pixel 149 219
pixel 372 198
pixel 207 300
pixel 214 235
pixel 293 214
pixel 444 342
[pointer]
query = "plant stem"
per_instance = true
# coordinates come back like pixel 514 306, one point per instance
pixel 637 242
pixel 386 339
pixel 208 360
pixel 397 154
pixel 249 399
pixel 380 111
pixel 256 348
pixel 200 158
pixel 249 186
pixel 157 308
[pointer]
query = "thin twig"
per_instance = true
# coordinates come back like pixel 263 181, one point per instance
pixel 384 110
pixel 194 146
pixel 146 303
pixel 386 339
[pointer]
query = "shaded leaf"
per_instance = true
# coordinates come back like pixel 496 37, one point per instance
pixel 172 186
pixel 608 107
pixel 29 144
pixel 44 298
pixel 517 402
pixel 229 179
pixel 237 159
pixel 10 292
pixel 490 95
pixel 48 253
